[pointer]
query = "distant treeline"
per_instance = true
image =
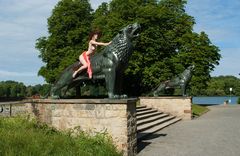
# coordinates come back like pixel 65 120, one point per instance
pixel 217 86
pixel 220 86
pixel 13 89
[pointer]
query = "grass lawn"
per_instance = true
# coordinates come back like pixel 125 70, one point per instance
pixel 198 110
pixel 19 136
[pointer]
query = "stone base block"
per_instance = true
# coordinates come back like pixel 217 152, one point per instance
pixel 117 117
pixel 177 106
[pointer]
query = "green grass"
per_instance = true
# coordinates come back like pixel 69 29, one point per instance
pixel 198 110
pixel 19 136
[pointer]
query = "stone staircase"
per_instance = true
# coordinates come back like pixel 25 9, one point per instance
pixel 150 120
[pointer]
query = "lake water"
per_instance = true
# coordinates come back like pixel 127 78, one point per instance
pixel 214 100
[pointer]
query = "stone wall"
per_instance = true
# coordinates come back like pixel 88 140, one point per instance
pixel 117 117
pixel 12 109
pixel 178 106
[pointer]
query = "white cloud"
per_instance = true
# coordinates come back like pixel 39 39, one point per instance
pixel 16 74
pixel 220 20
pixel 27 78
pixel 21 23
pixel 16 6
pixel 96 3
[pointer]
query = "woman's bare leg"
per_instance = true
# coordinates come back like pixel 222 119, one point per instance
pixel 84 66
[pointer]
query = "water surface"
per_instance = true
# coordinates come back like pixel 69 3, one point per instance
pixel 214 100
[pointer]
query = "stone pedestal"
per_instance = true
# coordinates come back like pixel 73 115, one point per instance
pixel 174 105
pixel 117 117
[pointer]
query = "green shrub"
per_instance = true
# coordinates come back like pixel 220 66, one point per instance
pixel 19 136
pixel 238 100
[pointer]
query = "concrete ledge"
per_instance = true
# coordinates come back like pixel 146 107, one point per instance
pixel 117 117
pixel 175 105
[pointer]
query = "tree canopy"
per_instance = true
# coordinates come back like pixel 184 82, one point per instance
pixel 13 89
pixel 166 46
pixel 68 29
pixel 220 86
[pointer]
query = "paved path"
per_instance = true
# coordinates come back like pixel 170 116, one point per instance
pixel 217 133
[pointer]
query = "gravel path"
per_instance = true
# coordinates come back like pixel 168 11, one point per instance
pixel 217 133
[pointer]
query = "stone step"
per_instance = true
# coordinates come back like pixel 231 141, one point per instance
pixel 154 129
pixel 143 109
pixel 144 127
pixel 151 119
pixel 139 107
pixel 147 112
pixel 141 117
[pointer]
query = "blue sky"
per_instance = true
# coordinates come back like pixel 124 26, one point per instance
pixel 22 22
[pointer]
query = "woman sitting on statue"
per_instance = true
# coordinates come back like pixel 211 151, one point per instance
pixel 84 57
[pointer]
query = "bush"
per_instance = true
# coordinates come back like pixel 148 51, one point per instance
pixel 238 100
pixel 19 136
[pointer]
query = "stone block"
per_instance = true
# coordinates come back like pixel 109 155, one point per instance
pixel 116 117
pixel 172 105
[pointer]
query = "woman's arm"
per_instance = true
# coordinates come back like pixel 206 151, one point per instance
pixel 99 43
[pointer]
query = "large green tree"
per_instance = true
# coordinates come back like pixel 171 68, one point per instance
pixel 167 44
pixel 198 49
pixel 68 29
